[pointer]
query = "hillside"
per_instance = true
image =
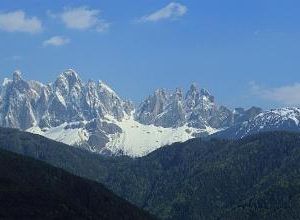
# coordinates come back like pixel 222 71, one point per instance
pixel 31 189
pixel 253 178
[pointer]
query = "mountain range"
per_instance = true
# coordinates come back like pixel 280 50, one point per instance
pixel 93 116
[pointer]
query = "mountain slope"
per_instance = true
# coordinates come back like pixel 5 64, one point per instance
pixel 253 178
pixel 31 189
pixel 282 119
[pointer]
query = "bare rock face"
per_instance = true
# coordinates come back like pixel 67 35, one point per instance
pixel 25 104
pixel 17 103
pixel 196 107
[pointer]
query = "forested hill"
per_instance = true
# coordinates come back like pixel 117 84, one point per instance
pixel 257 177
pixel 31 189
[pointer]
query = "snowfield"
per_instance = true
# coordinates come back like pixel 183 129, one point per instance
pixel 136 140
pixel 62 134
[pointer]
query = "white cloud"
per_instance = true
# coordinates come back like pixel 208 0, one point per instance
pixel 18 21
pixel 56 41
pixel 171 11
pixel 83 18
pixel 287 95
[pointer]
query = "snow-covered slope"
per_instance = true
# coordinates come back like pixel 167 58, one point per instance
pixel 94 117
pixel 276 119
pixel 135 139
pixel 138 139
pixel 61 133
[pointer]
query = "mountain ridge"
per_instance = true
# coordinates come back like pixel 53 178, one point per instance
pixel 280 119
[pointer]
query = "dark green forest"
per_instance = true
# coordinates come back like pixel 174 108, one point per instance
pixel 31 189
pixel 257 177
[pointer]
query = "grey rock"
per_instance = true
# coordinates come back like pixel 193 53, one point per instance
pixel 24 104
pixel 197 108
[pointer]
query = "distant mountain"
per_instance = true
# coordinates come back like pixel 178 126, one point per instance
pixel 94 117
pixel 196 108
pixel 31 189
pixel 253 178
pixel 282 119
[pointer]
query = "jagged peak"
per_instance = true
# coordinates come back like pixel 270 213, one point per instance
pixel 205 92
pixel 91 84
pixel 178 90
pixel 194 87
pixel 69 78
pixel 69 74
pixel 160 91
pixel 193 91
pixel 17 75
pixel 104 86
pixel 178 93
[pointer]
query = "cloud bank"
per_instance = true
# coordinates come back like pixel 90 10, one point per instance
pixel 18 21
pixel 83 18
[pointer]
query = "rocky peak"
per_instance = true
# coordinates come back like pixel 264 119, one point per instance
pixel 205 93
pixel 16 103
pixel 178 94
pixel 193 88
pixel 68 81
pixel 70 74
pixel 198 99
pixel 159 97
pixel 18 84
pixel 104 88
pixel 17 76
pixel 192 96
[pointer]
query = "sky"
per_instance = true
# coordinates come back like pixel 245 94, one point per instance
pixel 245 52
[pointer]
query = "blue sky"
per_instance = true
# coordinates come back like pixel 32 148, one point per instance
pixel 245 52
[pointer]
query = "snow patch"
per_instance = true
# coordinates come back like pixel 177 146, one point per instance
pixel 6 81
